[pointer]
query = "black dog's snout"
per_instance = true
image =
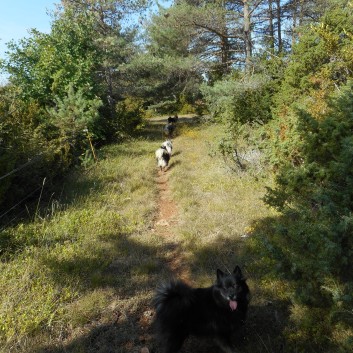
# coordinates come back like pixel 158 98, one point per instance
pixel 233 296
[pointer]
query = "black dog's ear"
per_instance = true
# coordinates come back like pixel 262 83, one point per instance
pixel 220 274
pixel 237 272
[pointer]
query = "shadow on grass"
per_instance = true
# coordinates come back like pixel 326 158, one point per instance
pixel 120 336
pixel 153 131
pixel 177 153
pixel 133 272
pixel 127 267
pixel 75 188
pixel 136 270
pixel 173 164
pixel 14 242
pixel 134 151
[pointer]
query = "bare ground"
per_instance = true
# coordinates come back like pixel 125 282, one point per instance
pixel 164 226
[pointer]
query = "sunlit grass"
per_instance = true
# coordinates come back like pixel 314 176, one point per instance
pixel 81 277
pixel 216 204
pixel 57 267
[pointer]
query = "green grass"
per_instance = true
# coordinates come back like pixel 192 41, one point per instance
pixel 217 206
pixel 81 276
pixel 57 274
pixel 219 213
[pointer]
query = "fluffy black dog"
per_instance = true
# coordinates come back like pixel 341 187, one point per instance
pixel 168 130
pixel 217 311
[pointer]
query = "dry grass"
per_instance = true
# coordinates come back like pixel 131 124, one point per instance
pixel 219 212
pixel 82 280
pixel 62 273
pixel 216 205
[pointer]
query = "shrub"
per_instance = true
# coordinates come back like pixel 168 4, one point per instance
pixel 129 115
pixel 313 242
pixel 310 147
pixel 239 102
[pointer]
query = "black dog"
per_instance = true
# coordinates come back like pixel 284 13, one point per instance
pixel 174 119
pixel 217 311
pixel 168 130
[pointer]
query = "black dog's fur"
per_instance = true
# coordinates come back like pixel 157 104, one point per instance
pixel 174 119
pixel 217 311
pixel 168 130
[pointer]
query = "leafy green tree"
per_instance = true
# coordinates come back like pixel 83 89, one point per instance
pixel 209 32
pixel 320 63
pixel 43 65
pixel 59 82
pixel 161 80
pixel 74 115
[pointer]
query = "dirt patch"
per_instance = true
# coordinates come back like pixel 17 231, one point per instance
pixel 167 209
pixel 164 226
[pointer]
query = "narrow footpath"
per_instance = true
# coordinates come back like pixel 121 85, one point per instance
pixel 165 223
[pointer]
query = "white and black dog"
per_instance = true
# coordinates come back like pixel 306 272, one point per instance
pixel 169 146
pixel 162 157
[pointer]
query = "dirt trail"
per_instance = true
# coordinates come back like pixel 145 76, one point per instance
pixel 165 223
pixel 167 217
pixel 167 209
pixel 164 226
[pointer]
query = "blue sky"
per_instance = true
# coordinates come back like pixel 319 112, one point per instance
pixel 18 16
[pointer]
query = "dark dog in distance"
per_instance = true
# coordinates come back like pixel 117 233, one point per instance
pixel 174 119
pixel 218 311
pixel 168 130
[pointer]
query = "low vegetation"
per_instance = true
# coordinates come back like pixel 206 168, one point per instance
pixel 63 270
pixel 82 274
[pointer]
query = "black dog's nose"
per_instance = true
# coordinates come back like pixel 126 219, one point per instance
pixel 233 296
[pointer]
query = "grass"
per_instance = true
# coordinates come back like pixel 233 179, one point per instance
pixel 217 206
pixel 219 213
pixel 57 273
pixel 81 276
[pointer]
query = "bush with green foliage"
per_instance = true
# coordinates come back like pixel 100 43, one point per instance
pixel 241 99
pixel 311 149
pixel 129 116
pixel 312 244
pixel 30 150
pixel 243 105
pixel 74 115
pixel 320 62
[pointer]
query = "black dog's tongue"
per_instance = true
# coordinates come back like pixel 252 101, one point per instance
pixel 233 304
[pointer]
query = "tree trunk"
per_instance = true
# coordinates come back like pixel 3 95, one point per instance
pixel 279 26
pixel 294 21
pixel 224 54
pixel 301 12
pixel 270 27
pixel 247 35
